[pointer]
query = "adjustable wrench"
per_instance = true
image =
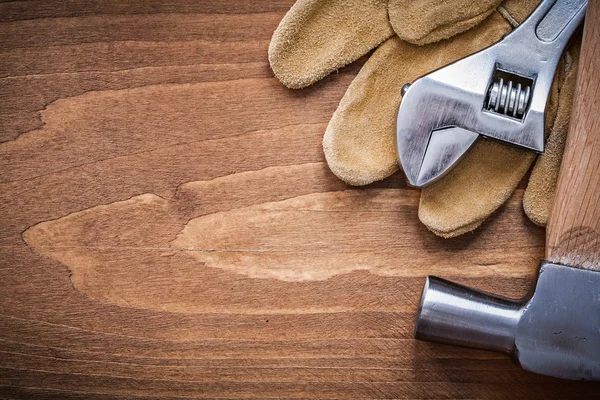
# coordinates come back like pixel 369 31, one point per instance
pixel 500 93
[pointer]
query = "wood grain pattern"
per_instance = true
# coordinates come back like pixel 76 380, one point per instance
pixel 169 228
pixel 573 236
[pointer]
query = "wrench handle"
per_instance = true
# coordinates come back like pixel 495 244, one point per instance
pixel 573 232
pixel 560 20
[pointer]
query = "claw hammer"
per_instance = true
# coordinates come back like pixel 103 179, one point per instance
pixel 556 331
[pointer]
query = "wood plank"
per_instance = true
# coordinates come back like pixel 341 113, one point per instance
pixel 573 236
pixel 169 228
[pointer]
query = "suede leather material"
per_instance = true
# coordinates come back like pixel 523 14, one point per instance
pixel 519 10
pixel 359 140
pixel 429 21
pixel 317 37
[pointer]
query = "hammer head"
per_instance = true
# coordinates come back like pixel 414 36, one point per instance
pixel 556 332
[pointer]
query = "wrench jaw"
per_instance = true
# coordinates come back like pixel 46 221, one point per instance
pixel 431 129
pixel 412 134
pixel 442 114
pixel 445 149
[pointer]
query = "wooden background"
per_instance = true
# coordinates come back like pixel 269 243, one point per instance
pixel 169 229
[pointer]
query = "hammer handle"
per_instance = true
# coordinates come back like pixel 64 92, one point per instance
pixel 573 233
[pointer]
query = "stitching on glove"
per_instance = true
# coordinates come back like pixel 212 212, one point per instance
pixel 507 16
pixel 568 61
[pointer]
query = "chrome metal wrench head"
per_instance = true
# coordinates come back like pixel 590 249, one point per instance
pixel 500 93
pixel 556 332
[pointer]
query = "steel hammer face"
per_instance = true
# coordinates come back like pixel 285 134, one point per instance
pixel 556 332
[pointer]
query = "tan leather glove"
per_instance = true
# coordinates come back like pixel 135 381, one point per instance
pixel 317 37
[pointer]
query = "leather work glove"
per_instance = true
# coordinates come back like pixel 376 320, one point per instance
pixel 412 38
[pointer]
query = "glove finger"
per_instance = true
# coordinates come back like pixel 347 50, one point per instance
pixel 539 194
pixel 479 184
pixel 317 37
pixel 359 140
pixel 427 21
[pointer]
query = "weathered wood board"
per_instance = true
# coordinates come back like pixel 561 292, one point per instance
pixel 169 228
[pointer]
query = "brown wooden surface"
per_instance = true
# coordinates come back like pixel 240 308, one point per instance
pixel 169 228
pixel 574 228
